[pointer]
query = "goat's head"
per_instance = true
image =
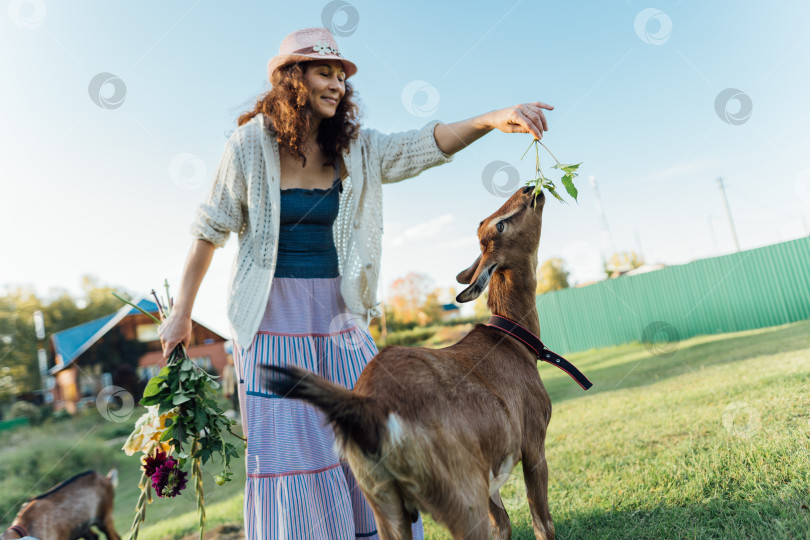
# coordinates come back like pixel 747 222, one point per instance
pixel 508 239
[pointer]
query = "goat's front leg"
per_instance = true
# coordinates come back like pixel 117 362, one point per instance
pixel 89 534
pixel 472 524
pixel 535 474
pixel 108 527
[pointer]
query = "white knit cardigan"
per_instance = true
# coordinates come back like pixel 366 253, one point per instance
pixel 245 198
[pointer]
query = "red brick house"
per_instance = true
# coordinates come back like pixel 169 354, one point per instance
pixel 77 380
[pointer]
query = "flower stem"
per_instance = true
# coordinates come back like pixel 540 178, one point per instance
pixel 168 297
pixel 136 307
pixel 196 471
pixel 527 149
pixel 537 153
pixel 144 499
pixel 160 307
pixel 549 151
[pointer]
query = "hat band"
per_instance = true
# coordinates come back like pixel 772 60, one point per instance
pixel 319 48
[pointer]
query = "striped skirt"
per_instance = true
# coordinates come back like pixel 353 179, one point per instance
pixel 296 486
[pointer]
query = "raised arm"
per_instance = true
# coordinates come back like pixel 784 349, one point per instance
pixel 524 118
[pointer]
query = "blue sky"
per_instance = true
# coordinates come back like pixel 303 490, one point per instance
pixel 88 189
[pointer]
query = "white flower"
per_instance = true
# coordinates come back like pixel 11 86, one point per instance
pixel 322 48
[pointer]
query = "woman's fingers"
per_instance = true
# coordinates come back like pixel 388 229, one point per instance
pixel 174 331
pixel 168 347
pixel 528 125
pixel 523 118
pixel 539 118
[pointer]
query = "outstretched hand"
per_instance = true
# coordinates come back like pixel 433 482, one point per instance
pixel 523 118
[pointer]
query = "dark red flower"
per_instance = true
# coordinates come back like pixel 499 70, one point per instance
pixel 152 463
pixel 168 480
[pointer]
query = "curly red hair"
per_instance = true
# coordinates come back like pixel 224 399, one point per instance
pixel 286 107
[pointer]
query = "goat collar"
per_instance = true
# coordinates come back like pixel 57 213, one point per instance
pixel 19 529
pixel 536 346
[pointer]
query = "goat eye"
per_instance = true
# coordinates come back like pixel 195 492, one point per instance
pixel 500 226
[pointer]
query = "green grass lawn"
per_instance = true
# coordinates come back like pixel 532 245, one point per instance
pixel 712 441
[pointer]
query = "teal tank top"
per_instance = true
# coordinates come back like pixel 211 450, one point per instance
pixel 306 247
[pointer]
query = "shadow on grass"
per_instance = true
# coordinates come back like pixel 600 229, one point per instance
pixel 640 367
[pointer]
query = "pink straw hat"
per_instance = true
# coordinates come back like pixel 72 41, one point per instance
pixel 308 44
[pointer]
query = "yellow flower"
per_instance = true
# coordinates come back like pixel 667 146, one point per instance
pixel 149 429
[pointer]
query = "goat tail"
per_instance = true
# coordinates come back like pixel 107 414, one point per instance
pixel 113 477
pixel 358 419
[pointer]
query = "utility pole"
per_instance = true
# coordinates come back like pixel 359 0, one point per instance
pixel 42 356
pixel 607 237
pixel 714 238
pixel 728 212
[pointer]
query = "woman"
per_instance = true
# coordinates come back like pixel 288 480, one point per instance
pixel 300 183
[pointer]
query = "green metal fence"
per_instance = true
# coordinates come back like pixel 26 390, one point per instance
pixel 751 289
pixel 14 422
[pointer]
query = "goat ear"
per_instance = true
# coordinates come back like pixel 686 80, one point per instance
pixel 478 282
pixel 465 276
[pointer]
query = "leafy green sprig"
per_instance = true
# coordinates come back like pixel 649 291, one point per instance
pixel 541 182
pixel 196 432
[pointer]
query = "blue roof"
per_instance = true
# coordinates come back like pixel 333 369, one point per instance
pixel 74 341
pixel 449 307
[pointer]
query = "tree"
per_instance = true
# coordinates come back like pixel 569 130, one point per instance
pixel 622 262
pixel 552 276
pixel 432 307
pixel 480 307
pixel 18 342
pixel 407 296
pixel 19 366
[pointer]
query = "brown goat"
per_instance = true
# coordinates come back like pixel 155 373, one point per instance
pixel 440 430
pixel 69 510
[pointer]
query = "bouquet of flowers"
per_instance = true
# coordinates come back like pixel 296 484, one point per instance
pixel 183 427
pixel 540 181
